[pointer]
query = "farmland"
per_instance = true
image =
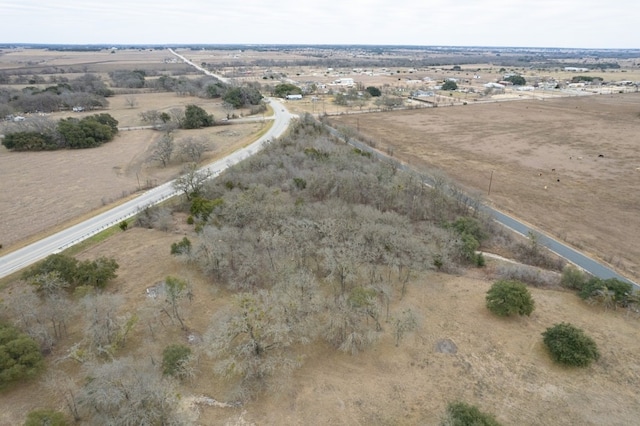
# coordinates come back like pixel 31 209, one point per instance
pixel 564 160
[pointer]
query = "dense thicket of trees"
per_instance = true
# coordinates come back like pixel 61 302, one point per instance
pixel 73 133
pixel 317 240
pixel 87 132
pixel 87 91
pixel 128 78
pixel 128 392
pixel 242 96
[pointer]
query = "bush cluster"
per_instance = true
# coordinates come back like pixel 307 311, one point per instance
pixel 471 234
pixel 174 358
pixel 463 414
pixel 45 418
pixel 95 273
pixel 20 355
pixel 181 247
pixel 74 133
pixel 609 292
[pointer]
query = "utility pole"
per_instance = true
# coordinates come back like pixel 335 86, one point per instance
pixel 490 181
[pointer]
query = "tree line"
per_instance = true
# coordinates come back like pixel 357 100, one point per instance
pixel 72 133
pixel 88 91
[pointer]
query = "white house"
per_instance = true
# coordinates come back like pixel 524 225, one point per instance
pixel 494 86
pixel 344 82
pixel 574 69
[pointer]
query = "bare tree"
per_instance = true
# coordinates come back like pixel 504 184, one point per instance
pixel 106 330
pixel 129 392
pixel 192 148
pixel 61 384
pixel 403 323
pixel 252 340
pixel 49 284
pixel 347 328
pixel 177 115
pixel 131 101
pixel 152 117
pixel 176 290
pixel 45 320
pixel 192 181
pixel 163 149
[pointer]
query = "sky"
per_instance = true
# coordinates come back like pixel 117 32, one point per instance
pixel 518 23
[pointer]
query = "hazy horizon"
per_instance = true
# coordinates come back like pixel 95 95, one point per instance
pixel 571 24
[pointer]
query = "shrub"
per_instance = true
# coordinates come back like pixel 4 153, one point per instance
pixel 617 291
pixel 374 91
pixel 462 414
pixel 506 298
pixel 20 355
pixel 96 272
pixel 65 265
pixel 174 358
pixel 45 418
pixel 29 141
pixel 530 275
pixel 471 235
pixel 573 278
pixel 196 118
pixel 569 345
pixel 182 247
pixel 449 85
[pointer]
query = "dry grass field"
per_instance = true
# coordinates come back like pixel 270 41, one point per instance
pixel 570 166
pixel 73 63
pixel 500 364
pixel 42 190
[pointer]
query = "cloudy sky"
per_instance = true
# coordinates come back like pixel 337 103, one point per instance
pixel 533 23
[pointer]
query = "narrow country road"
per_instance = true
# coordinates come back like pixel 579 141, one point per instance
pixel 21 258
pixel 198 67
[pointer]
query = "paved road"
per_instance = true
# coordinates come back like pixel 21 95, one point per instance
pixel 26 256
pixel 579 259
pixel 199 68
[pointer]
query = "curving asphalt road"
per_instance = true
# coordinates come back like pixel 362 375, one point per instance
pixel 30 254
